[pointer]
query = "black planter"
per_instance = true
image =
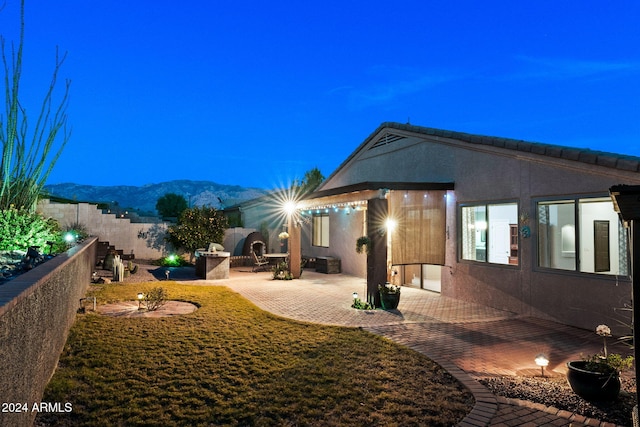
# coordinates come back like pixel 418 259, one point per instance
pixel 389 301
pixel 592 385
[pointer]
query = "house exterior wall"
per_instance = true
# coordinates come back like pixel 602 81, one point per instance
pixel 490 174
pixel 344 230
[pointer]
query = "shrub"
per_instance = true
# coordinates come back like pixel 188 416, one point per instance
pixel 155 298
pixel 20 229
pixel 281 272
pixel 196 228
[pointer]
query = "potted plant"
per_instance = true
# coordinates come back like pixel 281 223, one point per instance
pixel 597 377
pixel 389 296
pixel 363 244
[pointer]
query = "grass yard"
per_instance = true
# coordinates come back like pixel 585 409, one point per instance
pixel 230 363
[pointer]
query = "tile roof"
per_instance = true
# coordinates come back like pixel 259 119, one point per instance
pixel 584 155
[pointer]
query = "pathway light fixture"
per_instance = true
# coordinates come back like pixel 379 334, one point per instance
pixel 542 361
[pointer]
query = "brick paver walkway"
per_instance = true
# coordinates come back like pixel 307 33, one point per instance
pixel 468 340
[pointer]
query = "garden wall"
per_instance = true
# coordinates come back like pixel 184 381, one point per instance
pixel 37 309
pixel 144 240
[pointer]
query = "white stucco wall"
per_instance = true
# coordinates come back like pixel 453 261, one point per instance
pixel 484 173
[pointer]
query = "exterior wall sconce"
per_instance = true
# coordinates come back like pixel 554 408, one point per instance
pixel 390 224
pixel 542 361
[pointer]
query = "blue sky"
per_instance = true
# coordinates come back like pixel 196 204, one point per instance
pixel 255 93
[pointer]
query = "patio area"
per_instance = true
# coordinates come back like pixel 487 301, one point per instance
pixel 468 340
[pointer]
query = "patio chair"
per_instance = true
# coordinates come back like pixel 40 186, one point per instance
pixel 259 262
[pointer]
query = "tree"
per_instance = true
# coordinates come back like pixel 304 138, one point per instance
pixel 171 205
pixel 312 179
pixel 26 163
pixel 196 228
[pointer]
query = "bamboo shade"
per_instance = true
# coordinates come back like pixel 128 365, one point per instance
pixel 419 237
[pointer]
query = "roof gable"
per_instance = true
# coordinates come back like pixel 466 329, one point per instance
pixel 384 136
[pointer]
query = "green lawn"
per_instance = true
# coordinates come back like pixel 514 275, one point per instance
pixel 230 363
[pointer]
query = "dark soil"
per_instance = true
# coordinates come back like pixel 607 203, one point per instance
pixel 556 392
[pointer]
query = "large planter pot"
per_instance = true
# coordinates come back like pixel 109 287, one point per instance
pixel 592 385
pixel 389 301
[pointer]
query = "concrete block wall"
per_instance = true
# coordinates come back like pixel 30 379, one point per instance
pixel 37 309
pixel 144 240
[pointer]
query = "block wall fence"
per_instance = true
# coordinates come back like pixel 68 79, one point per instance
pixel 144 240
pixel 37 309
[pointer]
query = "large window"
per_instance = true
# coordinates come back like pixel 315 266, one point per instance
pixel 581 235
pixel 490 233
pixel 321 230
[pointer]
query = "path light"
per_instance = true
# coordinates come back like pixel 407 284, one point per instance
pixel 355 295
pixel 140 298
pixel 542 361
pixel 166 273
pixel 68 237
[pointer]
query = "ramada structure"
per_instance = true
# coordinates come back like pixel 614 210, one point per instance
pixel 520 226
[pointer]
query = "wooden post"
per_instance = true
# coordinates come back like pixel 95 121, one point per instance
pixel 377 211
pixel 295 252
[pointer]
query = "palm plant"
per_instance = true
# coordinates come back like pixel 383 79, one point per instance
pixel 26 163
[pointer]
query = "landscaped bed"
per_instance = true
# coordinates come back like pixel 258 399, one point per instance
pixel 230 363
pixel 556 392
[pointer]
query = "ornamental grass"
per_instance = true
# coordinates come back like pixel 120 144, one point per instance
pixel 230 363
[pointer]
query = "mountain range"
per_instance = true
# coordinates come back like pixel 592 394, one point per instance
pixel 143 198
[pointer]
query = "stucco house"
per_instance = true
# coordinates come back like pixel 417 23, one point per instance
pixel 524 227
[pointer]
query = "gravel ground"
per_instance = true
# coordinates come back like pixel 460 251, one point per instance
pixel 556 392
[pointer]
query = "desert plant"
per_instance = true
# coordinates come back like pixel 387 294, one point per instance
pixel 26 158
pixel 155 298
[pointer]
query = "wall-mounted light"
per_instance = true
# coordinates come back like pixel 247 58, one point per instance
pixel 390 224
pixel 289 207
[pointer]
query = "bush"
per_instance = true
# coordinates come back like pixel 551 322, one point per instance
pixel 155 298
pixel 20 229
pixel 281 272
pixel 196 228
pixel 171 261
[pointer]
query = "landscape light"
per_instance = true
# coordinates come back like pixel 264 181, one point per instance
pixel 68 237
pixel 140 298
pixel 542 361
pixel 355 295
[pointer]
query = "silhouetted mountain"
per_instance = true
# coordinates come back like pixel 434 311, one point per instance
pixel 144 198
